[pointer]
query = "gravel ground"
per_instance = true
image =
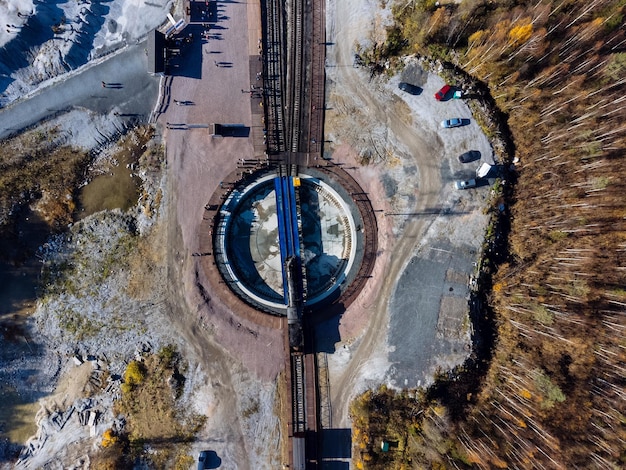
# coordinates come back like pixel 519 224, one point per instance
pixel 407 322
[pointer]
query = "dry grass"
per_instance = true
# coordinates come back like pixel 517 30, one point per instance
pixel 38 166
pixel 153 418
pixel 147 262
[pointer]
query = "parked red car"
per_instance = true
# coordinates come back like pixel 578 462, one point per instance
pixel 441 94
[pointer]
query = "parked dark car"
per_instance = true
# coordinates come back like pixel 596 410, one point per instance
pixel 470 156
pixel 409 88
pixel 441 94
pixel 208 459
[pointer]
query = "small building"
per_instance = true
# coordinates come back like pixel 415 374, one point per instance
pixel 156 52
pixel 215 130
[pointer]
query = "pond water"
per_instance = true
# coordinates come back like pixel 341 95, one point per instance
pixel 116 189
pixel 19 267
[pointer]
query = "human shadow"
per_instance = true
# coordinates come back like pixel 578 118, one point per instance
pixel 202 12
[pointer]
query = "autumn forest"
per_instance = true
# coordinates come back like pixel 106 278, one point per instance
pixel 550 390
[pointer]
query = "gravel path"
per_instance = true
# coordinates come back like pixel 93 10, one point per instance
pixel 410 184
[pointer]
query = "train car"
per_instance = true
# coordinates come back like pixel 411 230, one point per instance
pixel 299 452
pixel 296 338
pixel 294 311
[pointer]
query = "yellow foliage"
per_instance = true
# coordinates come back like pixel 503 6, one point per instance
pixel 476 37
pixel 521 423
pixel 498 462
pixel 134 374
pixel 473 457
pixel 500 31
pixel 359 465
pixel 520 34
pixel 497 287
pixel 109 438
pixel 525 393
pixel 437 20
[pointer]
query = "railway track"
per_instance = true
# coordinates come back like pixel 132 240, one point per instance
pixel 274 70
pixel 296 75
pixel 298 393
pixel 293 84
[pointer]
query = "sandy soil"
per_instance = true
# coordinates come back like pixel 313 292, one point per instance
pixel 243 426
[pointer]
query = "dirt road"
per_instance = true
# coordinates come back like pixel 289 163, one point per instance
pixel 350 84
pixel 199 346
pixel 409 185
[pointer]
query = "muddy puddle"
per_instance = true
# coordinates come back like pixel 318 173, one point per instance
pixel 115 189
pixel 20 266
pixel 17 415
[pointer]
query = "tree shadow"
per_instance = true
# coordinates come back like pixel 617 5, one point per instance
pixel 90 22
pixel 20 265
pixel 43 26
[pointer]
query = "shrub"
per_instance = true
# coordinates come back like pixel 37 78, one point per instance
pixel 550 391
pixel 135 373
pixel 109 438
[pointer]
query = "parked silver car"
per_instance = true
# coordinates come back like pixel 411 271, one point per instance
pixel 465 184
